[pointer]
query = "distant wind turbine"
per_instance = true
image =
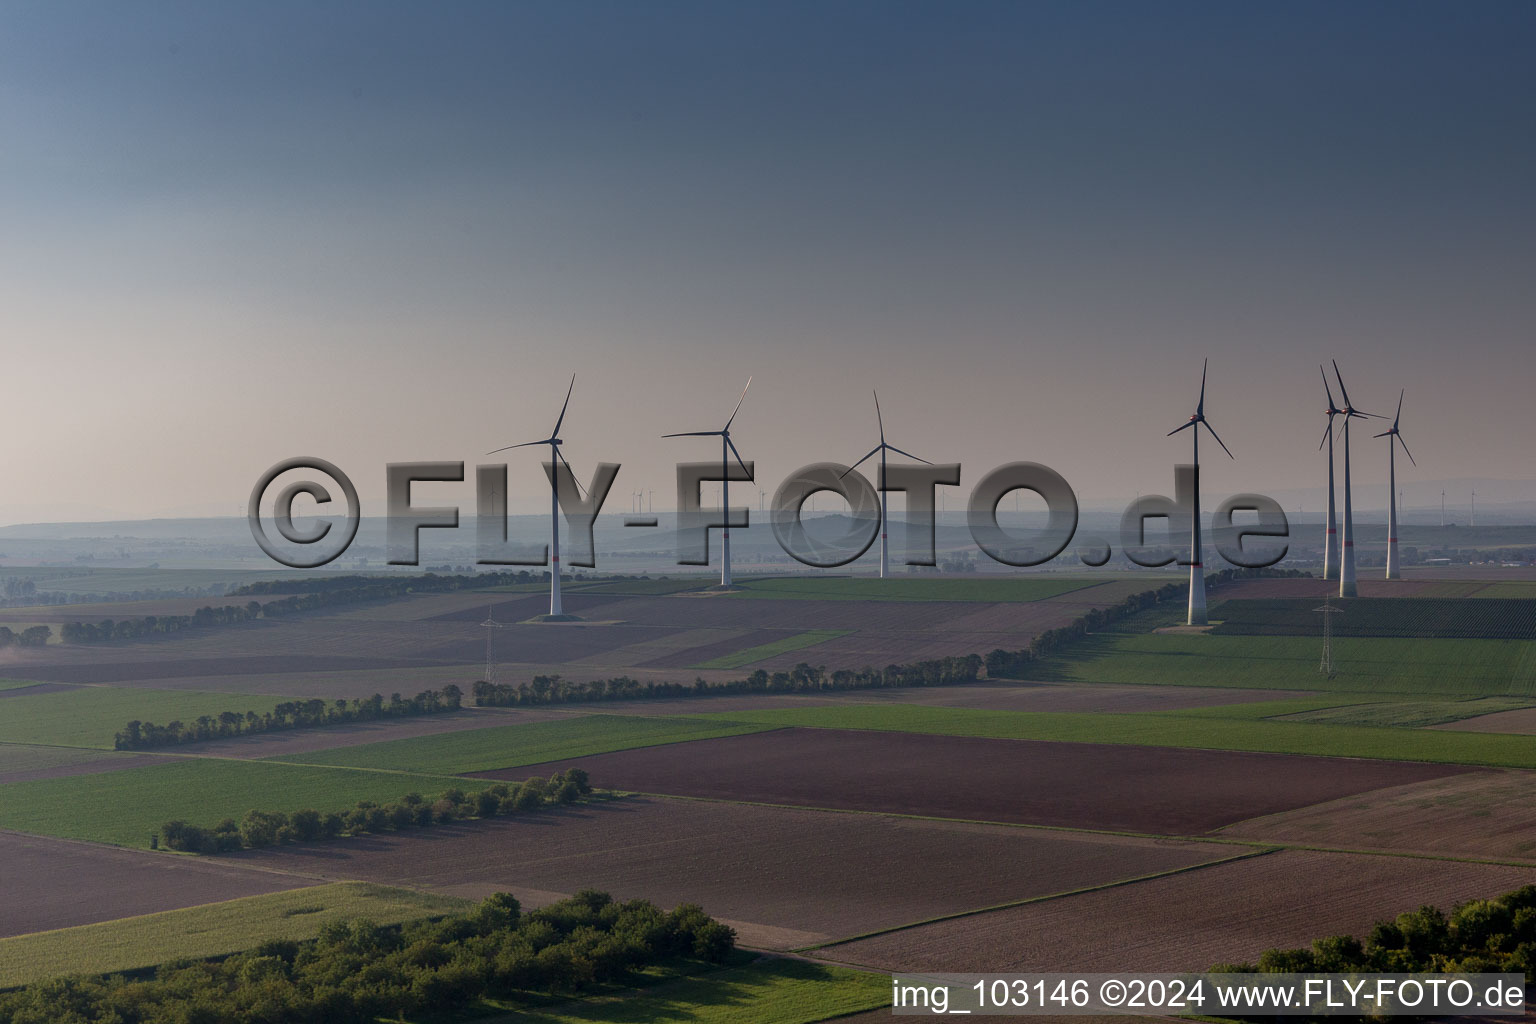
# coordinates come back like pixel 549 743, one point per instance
pixel 881 449
pixel 727 449
pixel 1331 543
pixel 555 456
pixel 1394 438
pixel 1196 569
pixel 1347 585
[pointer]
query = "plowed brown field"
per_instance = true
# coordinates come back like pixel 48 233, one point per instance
pixel 783 877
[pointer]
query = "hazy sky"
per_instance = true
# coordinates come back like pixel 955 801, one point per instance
pixel 231 233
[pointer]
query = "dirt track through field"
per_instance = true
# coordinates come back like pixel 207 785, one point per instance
pixel 1155 790
pixel 56 883
pixel 1190 921
pixel 783 877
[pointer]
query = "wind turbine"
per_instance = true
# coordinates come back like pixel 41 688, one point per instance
pixel 1331 543
pixel 554 442
pixel 1394 438
pixel 1347 585
pixel 1196 570
pixel 727 449
pixel 881 449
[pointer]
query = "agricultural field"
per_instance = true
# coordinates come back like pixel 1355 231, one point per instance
pixel 863 588
pixel 1412 714
pixel 427 640
pixel 22 761
pixel 1487 619
pixel 747 863
pixel 1071 785
pixel 1243 728
pixel 124 807
pixel 1224 913
pixel 208 930
pixel 89 716
pixel 764 652
pixel 1487 815
pixel 1385 665
pixel 56 883
pixel 770 991
pixel 572 736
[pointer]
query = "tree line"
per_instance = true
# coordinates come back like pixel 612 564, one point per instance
pixel 1017 664
pixel 274 828
pixel 32 636
pixel 357 972
pixel 1492 936
pixel 293 714
pixel 803 678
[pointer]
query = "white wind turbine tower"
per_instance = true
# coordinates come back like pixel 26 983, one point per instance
pixel 727 449
pixel 881 449
pixel 1196 569
pixel 554 442
pixel 1347 585
pixel 1331 543
pixel 1394 438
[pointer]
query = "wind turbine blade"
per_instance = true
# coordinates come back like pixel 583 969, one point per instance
pixel 1406 452
pixel 1384 433
pixel 1326 433
pixel 739 460
pixel 525 444
pixel 909 455
pixel 736 410
pixel 1342 389
pixel 873 452
pixel 556 431
pixel 1186 426
pixel 1326 387
pixel 579 489
pixel 1219 441
pixel 1399 415
pixel 692 433
pixel 878 418
pixel 1203 367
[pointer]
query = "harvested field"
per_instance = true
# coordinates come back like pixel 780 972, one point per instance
pixel 1522 721
pixel 62 762
pixel 1219 914
pixel 1076 785
pixel 55 883
pixel 1483 814
pixel 778 875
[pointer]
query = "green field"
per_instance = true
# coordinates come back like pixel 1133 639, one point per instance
pixel 1509 588
pixel 1494 618
pixel 124 807
pixel 1409 714
pixel 91 715
pixel 512 746
pixel 214 929
pixel 865 588
pixel 797 642
pixel 1164 729
pixel 1371 664
pixel 770 991
pixel 16 684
